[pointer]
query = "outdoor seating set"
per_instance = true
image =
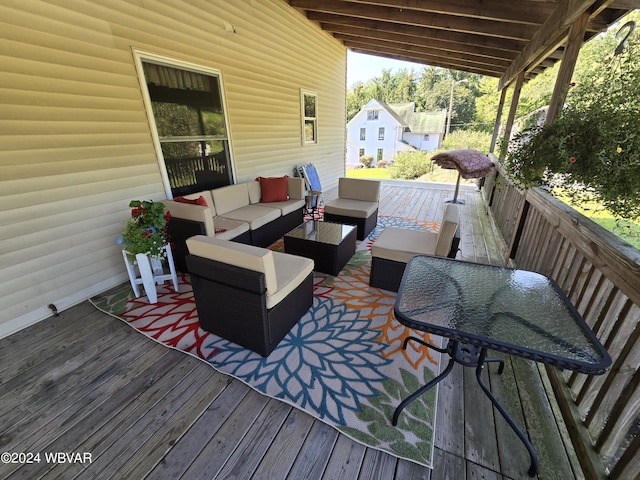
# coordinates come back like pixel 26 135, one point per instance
pixel 251 295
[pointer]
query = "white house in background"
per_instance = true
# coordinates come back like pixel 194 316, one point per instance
pixel 382 130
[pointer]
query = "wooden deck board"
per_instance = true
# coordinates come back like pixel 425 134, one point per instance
pixel 85 382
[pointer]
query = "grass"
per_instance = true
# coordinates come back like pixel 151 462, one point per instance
pixel 436 174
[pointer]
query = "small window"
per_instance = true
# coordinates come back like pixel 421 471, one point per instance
pixel 381 133
pixel 361 152
pixel 372 115
pixel 426 137
pixel 309 108
pixel 363 134
pixel 380 154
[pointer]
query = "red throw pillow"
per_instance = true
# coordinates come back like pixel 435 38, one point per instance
pixel 273 189
pixel 195 201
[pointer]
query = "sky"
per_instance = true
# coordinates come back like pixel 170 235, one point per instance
pixel 361 67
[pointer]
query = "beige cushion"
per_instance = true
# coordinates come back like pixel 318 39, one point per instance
pixel 238 254
pixel 206 194
pixel 295 188
pixel 448 228
pixel 288 206
pixel 359 189
pixel 255 192
pixel 232 228
pixel 351 208
pixel 283 272
pixel 255 215
pixel 291 270
pixel 196 213
pixel 400 244
pixel 230 198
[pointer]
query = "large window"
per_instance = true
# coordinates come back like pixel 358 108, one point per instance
pixel 190 124
pixel 381 133
pixel 309 105
pixel 372 115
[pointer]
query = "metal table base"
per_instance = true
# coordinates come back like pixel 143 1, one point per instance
pixel 468 356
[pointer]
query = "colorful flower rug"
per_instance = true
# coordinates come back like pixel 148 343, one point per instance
pixel 343 362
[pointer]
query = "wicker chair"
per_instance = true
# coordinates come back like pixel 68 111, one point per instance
pixel 391 251
pixel 249 295
pixel 357 204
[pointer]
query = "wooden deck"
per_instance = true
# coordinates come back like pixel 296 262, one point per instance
pixel 85 383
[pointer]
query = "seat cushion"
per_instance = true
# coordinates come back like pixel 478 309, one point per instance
pixel 228 229
pixel 291 270
pixel 400 244
pixel 288 206
pixel 351 208
pixel 255 215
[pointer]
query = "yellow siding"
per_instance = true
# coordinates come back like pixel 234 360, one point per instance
pixel 75 143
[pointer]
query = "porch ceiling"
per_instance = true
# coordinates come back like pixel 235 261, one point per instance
pixel 499 38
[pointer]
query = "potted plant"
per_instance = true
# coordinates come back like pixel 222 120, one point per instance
pixel 592 149
pixel 146 231
pixel 146 244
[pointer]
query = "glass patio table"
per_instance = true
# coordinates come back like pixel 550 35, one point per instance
pixel 484 307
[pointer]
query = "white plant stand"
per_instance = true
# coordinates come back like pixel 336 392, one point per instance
pixel 151 273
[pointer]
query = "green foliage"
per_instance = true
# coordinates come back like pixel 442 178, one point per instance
pixel 146 230
pixel 593 145
pixel 463 139
pixel 409 165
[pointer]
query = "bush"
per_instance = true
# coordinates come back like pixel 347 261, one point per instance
pixel 366 161
pixel 467 139
pixel 409 165
pixel 381 164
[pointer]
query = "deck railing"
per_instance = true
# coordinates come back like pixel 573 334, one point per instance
pixel 600 273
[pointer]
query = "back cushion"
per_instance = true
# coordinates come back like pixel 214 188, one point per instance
pixel 230 198
pixel 273 189
pixel 206 195
pixel 447 231
pixel 359 189
pixel 238 254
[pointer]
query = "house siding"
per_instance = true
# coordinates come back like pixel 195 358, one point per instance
pixel 75 142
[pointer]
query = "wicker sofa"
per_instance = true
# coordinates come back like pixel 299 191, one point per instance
pixel 249 295
pixel 234 212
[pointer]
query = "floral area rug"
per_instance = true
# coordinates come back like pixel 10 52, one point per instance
pixel 343 362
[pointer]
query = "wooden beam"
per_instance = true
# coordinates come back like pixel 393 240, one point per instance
pixel 482 62
pixel 425 19
pixel 428 61
pixel 523 11
pixel 422 41
pixel 515 98
pixel 420 32
pixel 546 38
pixel 496 125
pixel 567 66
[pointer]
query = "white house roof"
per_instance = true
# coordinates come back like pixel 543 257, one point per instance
pixel 405 116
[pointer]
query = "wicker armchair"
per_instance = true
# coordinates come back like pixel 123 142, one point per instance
pixel 391 251
pixel 248 295
pixel 357 204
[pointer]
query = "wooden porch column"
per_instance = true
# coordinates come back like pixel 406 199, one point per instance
pixel 567 66
pixel 496 125
pixel 512 111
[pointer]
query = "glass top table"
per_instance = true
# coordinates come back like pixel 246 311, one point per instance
pixel 329 244
pixel 484 307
